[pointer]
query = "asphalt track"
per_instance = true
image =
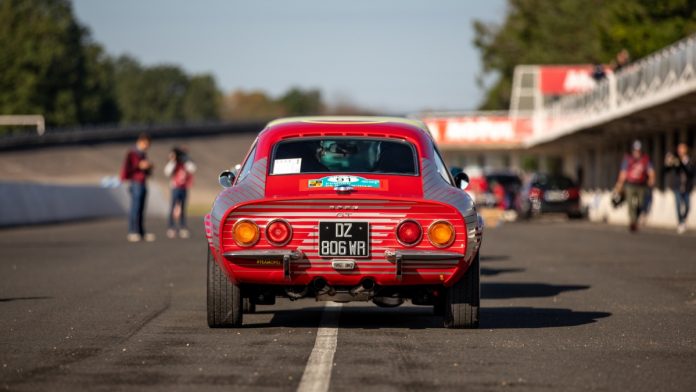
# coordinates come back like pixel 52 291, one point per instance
pixel 566 306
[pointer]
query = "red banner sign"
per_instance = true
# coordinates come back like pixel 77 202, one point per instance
pixel 479 131
pixel 565 79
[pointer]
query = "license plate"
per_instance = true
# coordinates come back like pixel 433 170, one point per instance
pixel 556 195
pixel 344 239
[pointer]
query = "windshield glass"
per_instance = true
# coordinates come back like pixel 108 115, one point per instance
pixel 554 182
pixel 344 155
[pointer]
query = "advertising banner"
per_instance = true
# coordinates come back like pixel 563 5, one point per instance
pixel 478 131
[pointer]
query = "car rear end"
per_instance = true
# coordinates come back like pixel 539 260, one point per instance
pixel 345 214
pixel 351 216
pixel 555 194
pixel 342 243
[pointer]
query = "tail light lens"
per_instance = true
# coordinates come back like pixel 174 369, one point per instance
pixel 245 232
pixel 278 232
pixel 573 193
pixel 536 193
pixel 409 233
pixel 441 234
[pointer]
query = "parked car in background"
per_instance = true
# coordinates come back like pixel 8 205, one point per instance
pixel 550 193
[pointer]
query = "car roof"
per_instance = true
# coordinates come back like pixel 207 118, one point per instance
pixel 359 120
pixel 319 125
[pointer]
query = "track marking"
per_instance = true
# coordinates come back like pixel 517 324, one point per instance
pixel 317 373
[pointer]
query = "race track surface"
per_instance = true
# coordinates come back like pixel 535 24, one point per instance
pixel 567 306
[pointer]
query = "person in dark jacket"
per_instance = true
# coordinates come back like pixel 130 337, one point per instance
pixel 136 169
pixel 682 169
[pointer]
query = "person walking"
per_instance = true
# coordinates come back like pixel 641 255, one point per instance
pixel 682 169
pixel 636 177
pixel 180 171
pixel 136 169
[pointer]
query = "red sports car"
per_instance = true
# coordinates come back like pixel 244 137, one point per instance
pixel 343 209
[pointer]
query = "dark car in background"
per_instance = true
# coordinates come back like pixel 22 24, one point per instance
pixel 550 193
pixel 504 189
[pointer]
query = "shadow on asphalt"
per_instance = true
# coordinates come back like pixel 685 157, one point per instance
pixel 295 318
pixel 22 299
pixel 527 317
pixel 497 271
pixel 525 290
pixel 494 257
pixel 366 317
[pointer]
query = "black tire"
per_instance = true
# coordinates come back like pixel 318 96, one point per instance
pixel 224 298
pixel 249 307
pixel 574 215
pixel 439 308
pixel 463 300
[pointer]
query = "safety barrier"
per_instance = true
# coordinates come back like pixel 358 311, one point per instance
pixel 665 75
pixel 30 203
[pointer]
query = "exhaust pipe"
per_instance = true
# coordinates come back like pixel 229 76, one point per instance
pixel 294 294
pixel 319 284
pixel 365 285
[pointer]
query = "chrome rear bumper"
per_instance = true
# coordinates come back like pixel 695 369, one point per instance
pixel 280 254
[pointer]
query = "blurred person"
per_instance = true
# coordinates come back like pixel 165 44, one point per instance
pixel 636 178
pixel 180 171
pixel 598 72
pixel 682 169
pixel 136 169
pixel 623 58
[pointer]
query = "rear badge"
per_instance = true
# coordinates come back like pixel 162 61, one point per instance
pixel 334 181
pixel 343 265
pixel 268 262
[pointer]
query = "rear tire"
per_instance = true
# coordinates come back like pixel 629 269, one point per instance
pixel 439 308
pixel 224 298
pixel 249 307
pixel 463 300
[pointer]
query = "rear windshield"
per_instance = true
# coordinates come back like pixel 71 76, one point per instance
pixel 554 182
pixel 344 155
pixel 504 179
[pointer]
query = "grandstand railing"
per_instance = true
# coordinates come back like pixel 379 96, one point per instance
pixel 660 77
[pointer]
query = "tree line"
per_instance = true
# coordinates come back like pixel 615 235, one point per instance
pixel 50 65
pixel 575 32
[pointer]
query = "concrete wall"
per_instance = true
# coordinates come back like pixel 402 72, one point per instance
pixel 662 213
pixel 30 203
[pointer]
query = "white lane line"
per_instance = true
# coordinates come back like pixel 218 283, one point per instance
pixel 317 373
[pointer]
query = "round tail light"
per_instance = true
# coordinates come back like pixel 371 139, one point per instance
pixel 441 234
pixel 278 232
pixel 245 232
pixel 409 233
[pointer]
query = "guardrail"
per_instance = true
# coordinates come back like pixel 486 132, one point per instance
pixel 106 134
pixel 662 76
pixel 36 120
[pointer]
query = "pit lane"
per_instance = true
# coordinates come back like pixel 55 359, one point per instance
pixel 566 306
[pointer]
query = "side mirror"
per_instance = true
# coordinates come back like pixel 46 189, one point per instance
pixel 226 178
pixel 461 180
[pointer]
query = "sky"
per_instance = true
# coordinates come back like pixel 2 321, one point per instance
pixel 395 56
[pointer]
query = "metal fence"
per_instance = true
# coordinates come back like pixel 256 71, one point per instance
pixel 114 133
pixel 664 75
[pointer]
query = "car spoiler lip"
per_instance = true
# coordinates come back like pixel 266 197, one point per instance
pixel 265 253
pixel 424 255
pixel 390 254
